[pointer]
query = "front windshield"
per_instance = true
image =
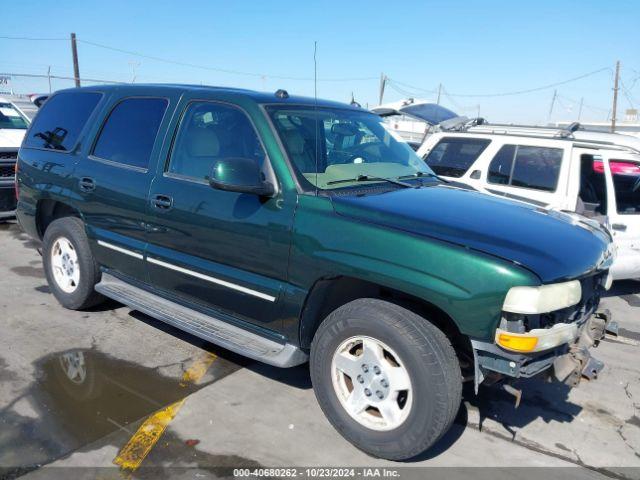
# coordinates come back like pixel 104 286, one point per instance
pixel 11 118
pixel 352 146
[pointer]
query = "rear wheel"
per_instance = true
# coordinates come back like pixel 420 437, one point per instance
pixel 69 266
pixel 387 379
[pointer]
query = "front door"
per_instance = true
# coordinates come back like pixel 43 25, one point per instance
pixel 217 249
pixel 623 187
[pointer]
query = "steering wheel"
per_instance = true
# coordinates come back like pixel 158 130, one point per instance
pixel 360 152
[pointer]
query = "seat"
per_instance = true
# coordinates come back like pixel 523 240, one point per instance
pixel 299 155
pixel 202 148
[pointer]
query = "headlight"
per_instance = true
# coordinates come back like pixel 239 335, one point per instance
pixel 542 299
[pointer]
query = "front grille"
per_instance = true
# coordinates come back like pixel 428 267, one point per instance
pixel 7 170
pixel 9 155
pixel 7 200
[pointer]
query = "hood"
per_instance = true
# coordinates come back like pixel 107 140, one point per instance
pixel 552 245
pixel 11 137
pixel 430 113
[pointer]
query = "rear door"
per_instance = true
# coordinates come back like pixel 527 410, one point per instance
pixel 114 176
pixel 215 249
pixel 623 186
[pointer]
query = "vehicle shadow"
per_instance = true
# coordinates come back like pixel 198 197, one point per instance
pixel 540 400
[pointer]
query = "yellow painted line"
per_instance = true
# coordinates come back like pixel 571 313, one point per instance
pixel 131 456
pixel 198 369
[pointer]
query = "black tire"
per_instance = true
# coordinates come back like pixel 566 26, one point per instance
pixel 428 358
pixel 84 296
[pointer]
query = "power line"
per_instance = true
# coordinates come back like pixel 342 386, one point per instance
pixel 576 102
pixel 412 87
pixel 530 90
pixel 37 39
pixel 218 69
pixel 192 65
pixel 57 77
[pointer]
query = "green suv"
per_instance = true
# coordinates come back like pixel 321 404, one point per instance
pixel 290 230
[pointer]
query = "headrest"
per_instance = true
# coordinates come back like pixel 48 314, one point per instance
pixel 295 142
pixel 203 143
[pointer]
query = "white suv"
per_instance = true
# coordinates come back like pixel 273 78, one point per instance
pixel 594 174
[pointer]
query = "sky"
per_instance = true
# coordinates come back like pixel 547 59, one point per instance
pixel 470 48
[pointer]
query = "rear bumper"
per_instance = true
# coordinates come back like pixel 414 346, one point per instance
pixel 567 363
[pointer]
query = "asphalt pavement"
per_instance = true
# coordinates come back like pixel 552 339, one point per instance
pixel 112 393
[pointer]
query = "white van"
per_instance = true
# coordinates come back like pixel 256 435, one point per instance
pixel 594 174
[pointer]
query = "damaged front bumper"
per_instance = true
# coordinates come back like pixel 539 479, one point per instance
pixel 567 363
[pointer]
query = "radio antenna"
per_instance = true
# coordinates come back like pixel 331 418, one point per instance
pixel 315 103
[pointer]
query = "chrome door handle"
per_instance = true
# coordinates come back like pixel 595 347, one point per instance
pixel 162 202
pixel 87 184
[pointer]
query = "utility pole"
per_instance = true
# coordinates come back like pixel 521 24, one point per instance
pixel 614 110
pixel 74 53
pixel 553 102
pixel 439 93
pixel 49 77
pixel 580 110
pixel 383 83
pixel 478 111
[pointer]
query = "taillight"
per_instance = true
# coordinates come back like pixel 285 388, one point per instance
pixel 15 180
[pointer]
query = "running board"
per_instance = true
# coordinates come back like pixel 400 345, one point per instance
pixel 208 328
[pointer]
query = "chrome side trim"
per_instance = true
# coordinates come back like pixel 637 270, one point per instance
pixel 120 249
pixel 208 278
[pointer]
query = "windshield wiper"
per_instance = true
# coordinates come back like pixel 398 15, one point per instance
pixel 426 174
pixel 366 178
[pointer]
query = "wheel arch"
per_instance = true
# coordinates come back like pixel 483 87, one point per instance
pixel 48 210
pixel 328 294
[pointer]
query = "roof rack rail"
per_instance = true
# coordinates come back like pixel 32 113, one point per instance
pixel 528 130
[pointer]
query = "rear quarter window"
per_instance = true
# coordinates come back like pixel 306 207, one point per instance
pixel 524 166
pixel 453 156
pixel 58 124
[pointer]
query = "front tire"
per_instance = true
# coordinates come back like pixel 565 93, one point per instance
pixel 387 379
pixel 69 266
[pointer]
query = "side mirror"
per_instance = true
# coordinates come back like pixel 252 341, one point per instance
pixel 242 175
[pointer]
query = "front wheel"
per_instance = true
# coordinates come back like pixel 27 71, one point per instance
pixel 387 379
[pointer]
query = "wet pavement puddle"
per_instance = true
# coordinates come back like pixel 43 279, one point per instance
pixel 82 396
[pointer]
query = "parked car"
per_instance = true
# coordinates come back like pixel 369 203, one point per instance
pixel 594 174
pixel 13 125
pixel 290 229
pixel 414 119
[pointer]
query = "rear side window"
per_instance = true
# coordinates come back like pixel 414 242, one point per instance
pixel 537 168
pixel 128 134
pixel 61 119
pixel 453 156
